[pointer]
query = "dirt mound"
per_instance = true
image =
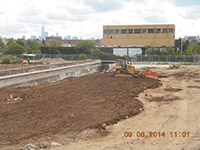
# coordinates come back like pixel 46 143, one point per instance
pixel 69 106
pixel 52 60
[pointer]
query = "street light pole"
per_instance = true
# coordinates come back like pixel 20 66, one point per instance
pixel 181 46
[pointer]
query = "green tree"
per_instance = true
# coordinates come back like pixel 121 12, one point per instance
pixel 1 44
pixel 185 45
pixel 86 46
pixel 178 43
pixel 15 48
pixel 55 43
pixel 10 41
pixel 171 51
pixel 21 42
pixel 33 46
pixel 36 51
pixel 83 56
pixel 43 42
pixel 192 49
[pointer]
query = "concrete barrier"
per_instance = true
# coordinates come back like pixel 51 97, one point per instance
pixel 49 75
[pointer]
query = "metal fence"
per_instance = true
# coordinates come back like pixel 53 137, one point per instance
pixel 40 56
pixel 138 58
pixel 165 58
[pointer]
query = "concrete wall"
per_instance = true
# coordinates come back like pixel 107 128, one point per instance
pixel 122 51
pixel 49 75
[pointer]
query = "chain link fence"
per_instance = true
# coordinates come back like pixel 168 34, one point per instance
pixel 165 58
pixel 138 58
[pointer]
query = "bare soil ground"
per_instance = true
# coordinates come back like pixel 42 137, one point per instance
pixel 178 115
pixel 68 107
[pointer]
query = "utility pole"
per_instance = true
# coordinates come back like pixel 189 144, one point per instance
pixel 181 46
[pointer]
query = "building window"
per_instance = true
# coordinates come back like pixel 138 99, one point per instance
pixel 111 31
pixel 123 31
pixel 117 31
pixel 130 31
pixel 105 31
pixel 158 30
pixel 171 30
pixel 144 31
pixel 136 31
pixel 151 30
pixel 164 31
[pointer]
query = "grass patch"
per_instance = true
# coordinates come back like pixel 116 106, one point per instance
pixel 163 63
pixel 190 63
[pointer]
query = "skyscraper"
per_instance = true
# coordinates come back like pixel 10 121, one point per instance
pixel 43 33
pixel 23 37
pixel 69 37
pixel 33 37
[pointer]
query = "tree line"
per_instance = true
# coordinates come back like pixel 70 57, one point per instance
pixel 89 47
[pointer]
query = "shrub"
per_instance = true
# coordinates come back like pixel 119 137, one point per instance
pixel 106 49
pixel 15 60
pixel 83 56
pixel 6 60
pixel 10 59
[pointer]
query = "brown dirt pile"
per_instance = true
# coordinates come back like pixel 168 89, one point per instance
pixel 69 106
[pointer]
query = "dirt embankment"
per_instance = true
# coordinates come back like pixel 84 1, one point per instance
pixel 68 106
pixel 16 69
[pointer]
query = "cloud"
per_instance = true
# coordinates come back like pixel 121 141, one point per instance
pixel 104 5
pixel 85 18
pixel 9 29
pixel 193 13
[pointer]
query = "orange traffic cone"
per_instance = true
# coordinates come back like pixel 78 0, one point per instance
pixel 11 97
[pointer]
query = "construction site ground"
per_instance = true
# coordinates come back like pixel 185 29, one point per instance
pixel 94 112
pixel 172 107
pixel 68 107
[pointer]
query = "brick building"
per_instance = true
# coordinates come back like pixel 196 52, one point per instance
pixel 138 35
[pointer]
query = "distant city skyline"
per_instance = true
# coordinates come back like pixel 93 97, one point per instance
pixel 44 34
pixel 85 18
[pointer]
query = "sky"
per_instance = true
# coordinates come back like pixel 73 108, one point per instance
pixel 85 18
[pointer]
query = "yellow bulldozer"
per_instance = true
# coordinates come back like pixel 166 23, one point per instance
pixel 124 69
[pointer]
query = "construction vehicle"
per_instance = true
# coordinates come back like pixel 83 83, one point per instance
pixel 124 69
